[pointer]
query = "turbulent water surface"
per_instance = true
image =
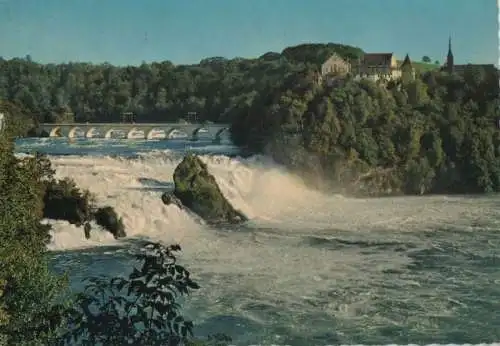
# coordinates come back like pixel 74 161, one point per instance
pixel 308 269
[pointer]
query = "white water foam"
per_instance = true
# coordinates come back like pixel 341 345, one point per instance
pixel 268 264
pixel 274 200
pixel 265 192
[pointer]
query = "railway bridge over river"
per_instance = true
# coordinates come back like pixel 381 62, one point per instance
pixel 134 130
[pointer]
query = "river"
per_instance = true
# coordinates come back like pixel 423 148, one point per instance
pixel 308 268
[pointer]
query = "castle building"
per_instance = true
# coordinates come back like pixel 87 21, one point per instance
pixel 450 66
pixel 377 66
pixel 335 65
pixel 374 66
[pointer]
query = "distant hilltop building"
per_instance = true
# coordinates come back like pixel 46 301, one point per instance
pixel 450 67
pixel 381 66
pixel 335 65
pixel 374 66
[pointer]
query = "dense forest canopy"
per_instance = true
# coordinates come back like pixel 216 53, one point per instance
pixel 431 133
pixel 434 132
pixel 153 92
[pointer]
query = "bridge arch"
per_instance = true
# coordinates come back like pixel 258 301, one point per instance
pixel 109 133
pixel 156 133
pixel 134 134
pixel 91 132
pixel 199 130
pixel 175 131
pixel 223 130
pixel 55 132
pixel 74 130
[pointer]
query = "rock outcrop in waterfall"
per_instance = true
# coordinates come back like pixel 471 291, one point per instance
pixel 63 200
pixel 198 191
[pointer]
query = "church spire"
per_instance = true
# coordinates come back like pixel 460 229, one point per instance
pixel 407 62
pixel 449 61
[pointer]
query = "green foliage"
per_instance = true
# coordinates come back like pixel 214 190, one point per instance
pixel 423 67
pixel 437 133
pixel 21 200
pixel 318 53
pixel 429 134
pixel 418 176
pixel 426 59
pixel 215 88
pixel 107 218
pixel 275 104
pixel 63 200
pixel 28 290
pixel 138 310
pixel 34 305
pixel 29 298
pixel 18 119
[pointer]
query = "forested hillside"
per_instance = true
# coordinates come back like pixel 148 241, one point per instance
pixel 429 134
pixel 153 92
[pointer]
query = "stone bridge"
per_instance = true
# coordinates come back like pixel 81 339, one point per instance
pixel 133 130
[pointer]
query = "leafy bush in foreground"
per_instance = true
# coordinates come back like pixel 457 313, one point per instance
pixel 140 310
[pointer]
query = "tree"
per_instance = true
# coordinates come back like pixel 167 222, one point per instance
pixel 29 291
pixel 18 120
pixel 140 310
pixel 358 129
pixel 426 59
pixel 156 92
pixel 275 101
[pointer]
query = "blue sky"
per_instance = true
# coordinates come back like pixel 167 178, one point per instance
pixel 185 31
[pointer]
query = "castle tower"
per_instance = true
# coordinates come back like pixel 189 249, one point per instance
pixel 449 59
pixel 407 70
pixel 407 63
